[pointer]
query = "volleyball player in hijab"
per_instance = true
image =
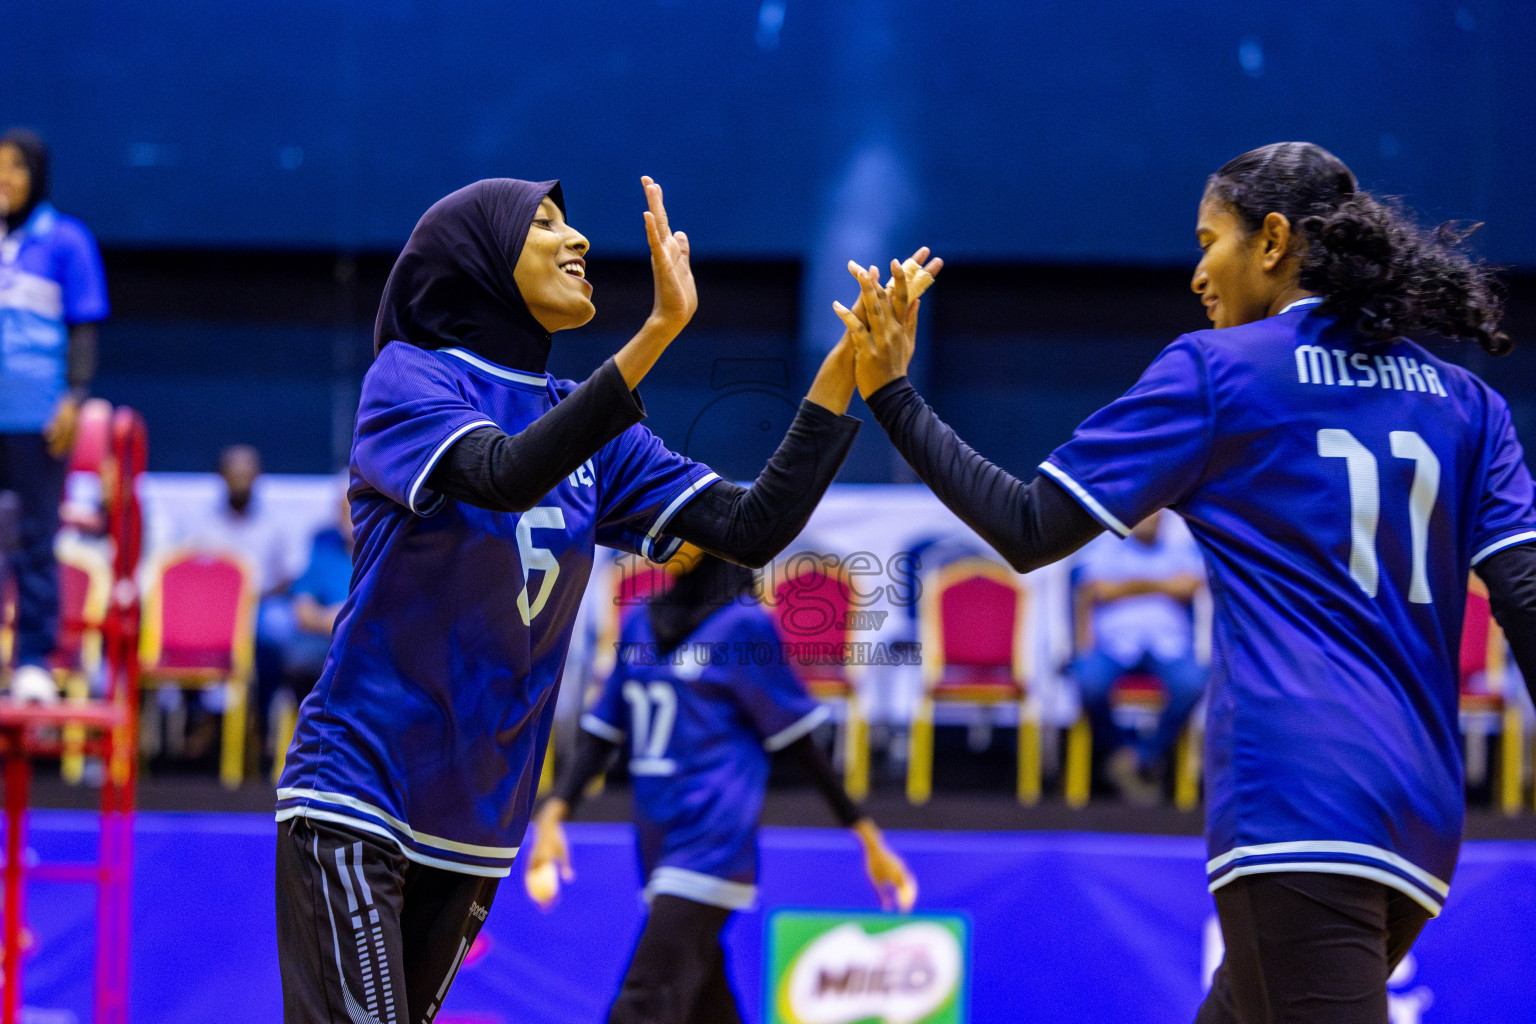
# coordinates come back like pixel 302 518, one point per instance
pixel 698 721
pixel 480 485
pixel 1341 481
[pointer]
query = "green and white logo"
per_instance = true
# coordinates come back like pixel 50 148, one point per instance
pixel 867 968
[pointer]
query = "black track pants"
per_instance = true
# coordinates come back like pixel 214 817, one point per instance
pixel 37 478
pixel 677 975
pixel 1308 948
pixel 365 936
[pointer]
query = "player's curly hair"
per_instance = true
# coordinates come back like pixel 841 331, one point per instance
pixel 1376 268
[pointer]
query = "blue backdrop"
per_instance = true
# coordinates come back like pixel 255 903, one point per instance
pixel 1066 927
pixel 1053 132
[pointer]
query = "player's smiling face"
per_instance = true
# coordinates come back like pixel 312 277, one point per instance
pixel 15 179
pixel 1231 278
pixel 551 273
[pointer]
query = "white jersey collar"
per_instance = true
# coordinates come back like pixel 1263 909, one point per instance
pixel 537 380
pixel 1306 303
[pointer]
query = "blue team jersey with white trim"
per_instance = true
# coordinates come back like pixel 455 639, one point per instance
pixel 431 717
pixel 1340 490
pixel 699 727
pixel 50 277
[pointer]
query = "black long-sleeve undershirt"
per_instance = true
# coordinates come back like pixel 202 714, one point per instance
pixel 1034 524
pixel 750 525
pixel 747 525
pixel 512 472
pixel 1030 525
pixel 1511 578
pixel 595 755
pixel 80 361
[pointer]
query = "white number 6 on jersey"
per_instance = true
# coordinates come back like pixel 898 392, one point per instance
pixel 544 517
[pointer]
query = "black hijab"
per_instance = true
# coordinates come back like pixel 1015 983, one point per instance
pixel 35 154
pixel 712 585
pixel 452 284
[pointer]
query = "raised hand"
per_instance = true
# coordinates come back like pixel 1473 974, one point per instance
pixel 885 338
pixel 676 298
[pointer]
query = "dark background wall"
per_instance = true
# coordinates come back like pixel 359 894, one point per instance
pixel 270 348
pixel 1029 131
pixel 253 168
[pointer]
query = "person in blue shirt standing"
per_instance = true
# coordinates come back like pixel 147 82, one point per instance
pixel 1341 480
pixel 481 486
pixel 700 713
pixel 53 293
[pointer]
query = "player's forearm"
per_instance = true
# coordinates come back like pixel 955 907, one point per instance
pixel 1082 619
pixel 1511 578
pixel 808 755
pixel 1180 588
pixel 642 351
pixel 80 365
pixel 868 831
pixel 750 525
pixel 593 757
pixel 834 384
pixel 512 473
pixel 1030 525
pixel 554 811
pixel 312 617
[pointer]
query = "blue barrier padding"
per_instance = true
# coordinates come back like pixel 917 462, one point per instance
pixel 1067 927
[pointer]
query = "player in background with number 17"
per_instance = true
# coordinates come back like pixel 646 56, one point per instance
pixel 1341 481
pixel 700 719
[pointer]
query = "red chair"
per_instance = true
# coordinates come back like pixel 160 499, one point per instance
pixel 29 731
pixel 93 431
pixel 1483 708
pixel 974 626
pixel 1135 702
pixel 811 608
pixel 198 632
pixel 85 587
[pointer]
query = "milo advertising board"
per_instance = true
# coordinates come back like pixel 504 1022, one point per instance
pixel 867 968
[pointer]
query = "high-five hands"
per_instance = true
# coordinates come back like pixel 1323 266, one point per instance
pixel 834 384
pixel 883 323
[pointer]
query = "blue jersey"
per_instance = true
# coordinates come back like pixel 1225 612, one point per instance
pixel 1340 490
pixel 699 726
pixel 50 277
pixel 429 723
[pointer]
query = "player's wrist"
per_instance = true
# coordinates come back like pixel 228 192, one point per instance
pixel 868 832
pixel 642 351
pixel 660 329
pixel 833 387
pixel 553 813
